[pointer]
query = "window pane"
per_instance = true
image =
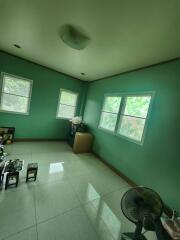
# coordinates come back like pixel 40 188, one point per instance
pixel 111 104
pixel 68 98
pixel 131 127
pixel 14 103
pixel 137 106
pixel 108 121
pixel 16 86
pixel 66 111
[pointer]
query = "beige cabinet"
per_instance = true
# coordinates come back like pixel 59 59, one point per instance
pixel 82 142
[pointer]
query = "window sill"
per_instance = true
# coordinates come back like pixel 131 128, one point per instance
pixel 122 136
pixel 63 118
pixel 13 112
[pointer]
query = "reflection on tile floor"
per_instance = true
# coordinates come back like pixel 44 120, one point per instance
pixel 75 197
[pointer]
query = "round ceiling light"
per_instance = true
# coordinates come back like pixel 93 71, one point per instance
pixel 74 37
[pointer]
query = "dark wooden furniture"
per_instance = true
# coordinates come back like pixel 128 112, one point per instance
pixel 74 128
pixel 32 169
pixel 12 179
pixel 7 134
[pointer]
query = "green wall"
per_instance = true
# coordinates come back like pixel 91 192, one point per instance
pixel 41 122
pixel 156 164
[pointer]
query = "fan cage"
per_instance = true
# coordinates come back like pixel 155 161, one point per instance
pixel 141 189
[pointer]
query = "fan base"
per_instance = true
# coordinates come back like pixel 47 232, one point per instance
pixel 129 236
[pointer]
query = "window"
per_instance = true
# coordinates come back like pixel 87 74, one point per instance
pixel 133 117
pixel 67 104
pixel 126 115
pixel 15 94
pixel 110 112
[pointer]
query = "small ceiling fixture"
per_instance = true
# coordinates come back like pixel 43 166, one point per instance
pixel 82 73
pixel 17 46
pixel 74 37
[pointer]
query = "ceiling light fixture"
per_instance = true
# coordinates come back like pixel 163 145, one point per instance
pixel 74 37
pixel 82 73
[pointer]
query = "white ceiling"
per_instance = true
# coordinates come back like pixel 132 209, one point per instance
pixel 125 34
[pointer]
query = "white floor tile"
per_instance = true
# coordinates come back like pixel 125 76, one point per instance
pixel 28 234
pixel 17 211
pixel 75 196
pixel 54 199
pixel 71 225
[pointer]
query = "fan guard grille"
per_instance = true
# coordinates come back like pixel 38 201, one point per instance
pixel 141 203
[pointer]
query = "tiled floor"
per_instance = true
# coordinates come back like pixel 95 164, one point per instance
pixel 75 197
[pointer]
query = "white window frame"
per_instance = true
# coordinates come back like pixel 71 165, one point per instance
pixel 3 74
pixel 59 99
pixel 121 111
pixel 105 96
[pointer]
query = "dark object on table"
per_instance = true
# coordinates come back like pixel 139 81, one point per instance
pixel 32 171
pixel 9 172
pixel 143 207
pixel 2 164
pixel 74 128
pixel 12 178
pixel 2 153
pixel 7 134
pixel 14 165
pixel 18 164
pixel 10 167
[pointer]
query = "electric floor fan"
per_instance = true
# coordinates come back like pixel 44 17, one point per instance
pixel 144 208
